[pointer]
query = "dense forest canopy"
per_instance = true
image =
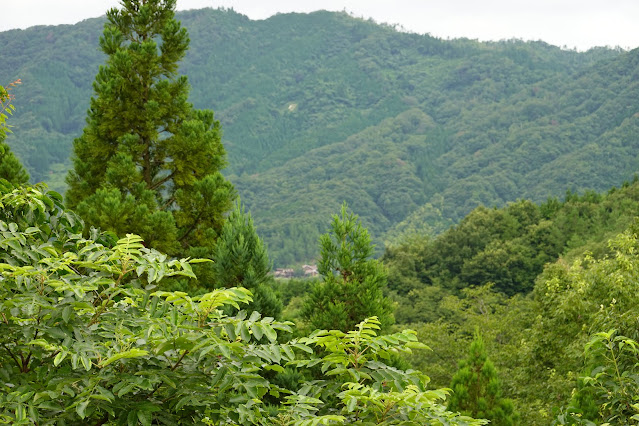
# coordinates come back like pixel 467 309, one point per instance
pixel 547 286
pixel 314 107
pixel 471 160
pixel 93 326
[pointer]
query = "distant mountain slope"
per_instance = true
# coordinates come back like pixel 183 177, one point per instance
pixel 323 107
pixel 372 170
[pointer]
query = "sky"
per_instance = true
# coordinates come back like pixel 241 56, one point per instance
pixel 573 24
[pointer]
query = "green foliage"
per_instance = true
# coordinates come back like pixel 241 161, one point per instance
pixel 539 343
pixel 343 109
pixel 86 337
pixel 506 323
pixel 371 391
pixel 353 283
pixel 477 391
pixel 509 247
pixel 147 162
pixel 609 393
pixel 575 303
pixel 85 334
pixel 240 256
pixel 241 259
pixel 10 167
pixel 292 293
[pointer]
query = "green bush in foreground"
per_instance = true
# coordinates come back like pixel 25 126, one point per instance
pixel 86 337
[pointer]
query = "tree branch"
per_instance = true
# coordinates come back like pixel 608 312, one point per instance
pixel 161 181
pixel 191 228
pixel 168 203
pixel 186 351
pixel 13 356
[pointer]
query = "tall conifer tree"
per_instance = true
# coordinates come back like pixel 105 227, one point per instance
pixel 241 260
pixel 147 162
pixel 353 282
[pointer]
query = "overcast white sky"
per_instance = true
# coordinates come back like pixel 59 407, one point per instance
pixel 577 24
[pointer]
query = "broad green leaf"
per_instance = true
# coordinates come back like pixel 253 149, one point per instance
pixel 219 375
pixel 81 408
pixel 125 389
pixel 132 418
pixel 66 313
pixel 49 405
pixel 132 353
pixel 351 404
pixel 145 417
pixel 60 357
pixel 271 334
pixel 86 362
pixel 224 348
pixel 257 331
pixel 274 367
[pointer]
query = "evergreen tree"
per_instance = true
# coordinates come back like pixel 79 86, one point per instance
pixel 241 260
pixel 353 283
pixel 477 391
pixel 147 162
pixel 10 167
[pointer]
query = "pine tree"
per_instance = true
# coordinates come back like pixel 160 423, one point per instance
pixel 10 167
pixel 147 162
pixel 241 260
pixel 477 391
pixel 353 282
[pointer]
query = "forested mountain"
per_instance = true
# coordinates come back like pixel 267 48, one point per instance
pixel 412 131
pixel 473 159
pixel 506 247
pixel 538 281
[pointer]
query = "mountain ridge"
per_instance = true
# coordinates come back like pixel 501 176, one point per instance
pixel 507 120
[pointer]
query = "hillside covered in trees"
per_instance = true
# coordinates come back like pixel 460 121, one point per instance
pixel 412 131
pixel 547 286
pixel 99 325
pixel 507 292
